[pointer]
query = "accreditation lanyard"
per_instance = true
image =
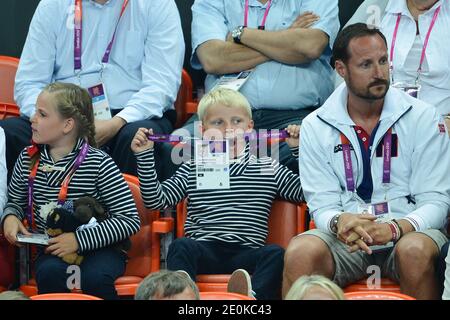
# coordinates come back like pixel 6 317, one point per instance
pixel 78 35
pixel 262 26
pixel 62 196
pixel 424 48
pixel 275 135
pixel 348 167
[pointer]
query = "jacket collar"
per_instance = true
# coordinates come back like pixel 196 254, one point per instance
pixel 400 6
pixel 335 112
pixel 46 158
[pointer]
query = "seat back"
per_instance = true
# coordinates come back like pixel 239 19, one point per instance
pixel 185 104
pixel 142 260
pixel 377 295
pixel 64 296
pixel 8 69
pixel 8 110
pixel 222 296
pixel 286 220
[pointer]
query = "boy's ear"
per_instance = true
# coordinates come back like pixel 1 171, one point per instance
pixel 251 124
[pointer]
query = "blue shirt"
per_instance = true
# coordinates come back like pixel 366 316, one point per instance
pixel 273 85
pixel 144 70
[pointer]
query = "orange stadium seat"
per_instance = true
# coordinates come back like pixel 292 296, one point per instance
pixel 377 295
pixel 223 296
pixel 8 69
pixel 286 220
pixel 144 256
pixel 64 296
pixel 185 105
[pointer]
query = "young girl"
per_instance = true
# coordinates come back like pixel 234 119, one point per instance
pixel 63 165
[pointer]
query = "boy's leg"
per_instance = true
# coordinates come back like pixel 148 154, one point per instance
pixel 266 266
pixel 99 271
pixel 51 274
pixel 198 257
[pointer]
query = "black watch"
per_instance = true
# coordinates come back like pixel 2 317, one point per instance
pixel 237 33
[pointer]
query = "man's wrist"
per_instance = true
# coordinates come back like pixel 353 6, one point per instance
pixel 118 122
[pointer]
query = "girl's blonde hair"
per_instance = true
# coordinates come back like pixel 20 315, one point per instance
pixel 223 96
pixel 75 102
pixel 304 283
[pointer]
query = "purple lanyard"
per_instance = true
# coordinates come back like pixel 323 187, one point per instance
pixel 78 35
pixel 282 134
pixel 348 167
pixel 263 22
pixel 64 187
pixel 425 44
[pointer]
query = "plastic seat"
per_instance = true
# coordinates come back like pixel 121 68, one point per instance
pixel 377 295
pixel 385 285
pixel 8 110
pixel 185 104
pixel 286 220
pixel 223 296
pixel 64 296
pixel 144 256
pixel 8 69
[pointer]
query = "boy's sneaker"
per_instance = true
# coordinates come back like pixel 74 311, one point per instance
pixel 240 282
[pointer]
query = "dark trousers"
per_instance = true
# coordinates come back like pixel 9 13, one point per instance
pixel 214 257
pixel 263 119
pixel 18 136
pixel 98 271
pixel 440 267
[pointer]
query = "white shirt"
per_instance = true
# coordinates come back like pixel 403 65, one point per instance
pixel 144 70
pixel 419 170
pixel 435 79
pixel 3 171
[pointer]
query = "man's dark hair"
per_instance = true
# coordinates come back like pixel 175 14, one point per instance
pixel 357 30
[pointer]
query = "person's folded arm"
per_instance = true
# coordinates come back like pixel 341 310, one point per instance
pixel 38 57
pixel 290 46
pixel 222 57
pixel 161 66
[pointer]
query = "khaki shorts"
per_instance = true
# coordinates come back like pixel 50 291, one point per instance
pixel 352 267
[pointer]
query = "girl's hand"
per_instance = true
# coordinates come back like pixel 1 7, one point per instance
pixel 62 245
pixel 11 227
pixel 141 142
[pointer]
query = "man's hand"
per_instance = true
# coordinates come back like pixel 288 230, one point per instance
pixel 140 141
pixel 305 20
pixel 11 227
pixel 353 226
pixel 380 233
pixel 62 245
pixel 105 130
pixel 294 135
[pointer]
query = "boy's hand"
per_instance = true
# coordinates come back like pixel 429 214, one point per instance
pixel 141 142
pixel 294 135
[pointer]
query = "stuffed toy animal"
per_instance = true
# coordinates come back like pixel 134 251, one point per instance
pixel 81 213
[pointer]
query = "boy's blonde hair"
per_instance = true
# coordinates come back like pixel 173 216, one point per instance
pixel 75 102
pixel 227 97
pixel 304 283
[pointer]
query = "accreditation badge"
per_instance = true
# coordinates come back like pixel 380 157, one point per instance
pixel 212 162
pixel 412 89
pixel 233 81
pixel 100 102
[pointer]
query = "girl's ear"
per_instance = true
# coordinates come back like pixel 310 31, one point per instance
pixel 69 125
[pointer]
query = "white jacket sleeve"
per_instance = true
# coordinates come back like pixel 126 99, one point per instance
pixel 321 187
pixel 430 178
pixel 446 295
pixel 3 172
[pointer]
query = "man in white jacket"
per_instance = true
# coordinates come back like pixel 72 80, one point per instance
pixel 377 185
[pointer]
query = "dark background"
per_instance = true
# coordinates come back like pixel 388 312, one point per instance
pixel 15 16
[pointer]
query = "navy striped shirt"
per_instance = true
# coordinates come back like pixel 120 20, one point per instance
pixel 236 215
pixel 97 177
